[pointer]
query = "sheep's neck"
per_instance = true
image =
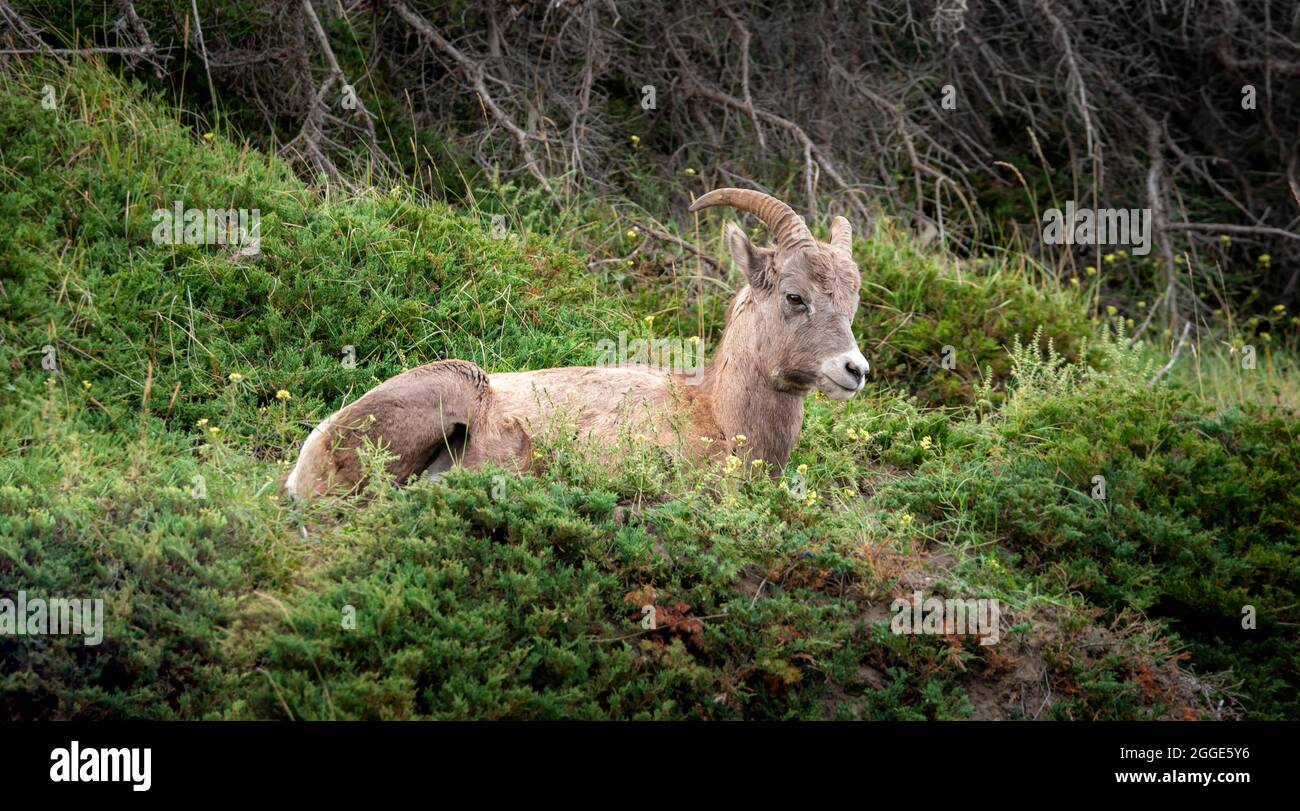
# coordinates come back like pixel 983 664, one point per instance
pixel 745 401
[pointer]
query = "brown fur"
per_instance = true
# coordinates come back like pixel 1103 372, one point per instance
pixel 772 353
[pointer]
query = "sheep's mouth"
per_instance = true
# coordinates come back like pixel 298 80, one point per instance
pixel 838 391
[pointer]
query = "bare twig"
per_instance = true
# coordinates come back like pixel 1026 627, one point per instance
pixel 665 236
pixel 1232 228
pixel 474 73
pixel 337 76
pixel 203 49
pixel 1182 339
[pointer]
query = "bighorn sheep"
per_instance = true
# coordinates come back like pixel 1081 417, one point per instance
pixel 788 331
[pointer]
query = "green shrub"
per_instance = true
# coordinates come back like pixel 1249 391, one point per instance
pixel 915 304
pixel 1197 520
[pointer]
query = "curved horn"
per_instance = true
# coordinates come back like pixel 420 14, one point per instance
pixel 842 236
pixel 787 228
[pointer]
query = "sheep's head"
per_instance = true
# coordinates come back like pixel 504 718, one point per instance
pixel 797 310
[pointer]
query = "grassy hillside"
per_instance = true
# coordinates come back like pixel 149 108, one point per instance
pixel 143 469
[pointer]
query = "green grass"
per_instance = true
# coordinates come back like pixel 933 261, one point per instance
pixel 489 595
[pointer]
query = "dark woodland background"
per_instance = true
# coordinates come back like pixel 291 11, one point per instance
pixel 1190 109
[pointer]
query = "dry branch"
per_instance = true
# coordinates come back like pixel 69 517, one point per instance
pixel 474 73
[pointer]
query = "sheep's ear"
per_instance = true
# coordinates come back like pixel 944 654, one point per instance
pixel 842 236
pixel 753 261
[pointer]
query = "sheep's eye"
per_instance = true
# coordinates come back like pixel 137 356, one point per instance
pixel 795 299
